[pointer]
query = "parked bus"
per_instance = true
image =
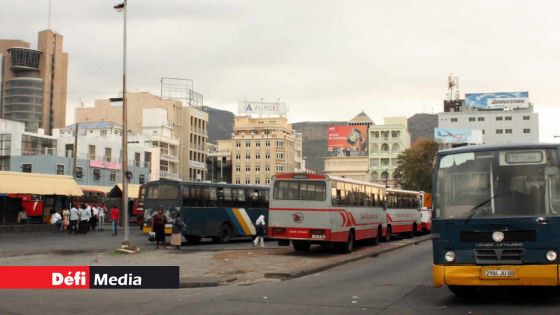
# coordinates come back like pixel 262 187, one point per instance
pixel 403 212
pixel 426 211
pixel 318 209
pixel 219 211
pixel 496 216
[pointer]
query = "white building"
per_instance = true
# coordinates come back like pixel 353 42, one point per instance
pixel 498 126
pixel 386 142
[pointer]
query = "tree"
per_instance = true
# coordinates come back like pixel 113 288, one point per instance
pixel 415 166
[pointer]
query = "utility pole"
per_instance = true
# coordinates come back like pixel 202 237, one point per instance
pixel 75 151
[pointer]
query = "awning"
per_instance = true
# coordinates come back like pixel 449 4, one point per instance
pixel 102 189
pixel 39 184
pixel 133 191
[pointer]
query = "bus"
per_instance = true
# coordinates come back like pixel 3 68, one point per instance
pixel 426 211
pixel 310 209
pixel 403 212
pixel 218 211
pixel 496 217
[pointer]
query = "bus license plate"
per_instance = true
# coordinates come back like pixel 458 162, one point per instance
pixel 500 273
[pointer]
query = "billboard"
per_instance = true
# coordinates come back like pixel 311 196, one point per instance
pixel 262 108
pixel 346 139
pixel 104 164
pixel 457 136
pixel 500 100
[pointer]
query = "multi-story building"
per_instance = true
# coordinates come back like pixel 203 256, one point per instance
pixel 188 124
pixel 262 147
pixel 33 82
pixel 498 126
pixel 219 161
pixel 386 142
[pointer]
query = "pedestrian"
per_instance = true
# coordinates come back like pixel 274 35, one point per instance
pixel 95 215
pixel 56 221
pixel 158 227
pixel 260 225
pixel 177 231
pixel 101 216
pixel 84 219
pixel 22 216
pixel 66 218
pixel 114 219
pixel 74 217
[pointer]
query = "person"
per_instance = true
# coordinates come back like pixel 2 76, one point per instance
pixel 74 216
pixel 56 221
pixel 101 217
pixel 158 227
pixel 95 215
pixel 22 216
pixel 177 231
pixel 66 218
pixel 114 219
pixel 84 219
pixel 260 224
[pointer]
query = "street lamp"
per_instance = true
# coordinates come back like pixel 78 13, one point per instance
pixel 121 7
pixel 386 177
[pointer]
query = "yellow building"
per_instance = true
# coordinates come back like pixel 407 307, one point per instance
pixel 262 147
pixel 187 123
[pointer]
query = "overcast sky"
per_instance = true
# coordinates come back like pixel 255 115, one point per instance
pixel 328 60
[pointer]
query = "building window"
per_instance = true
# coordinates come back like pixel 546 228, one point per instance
pixel 267 156
pixel 257 181
pixel 257 168
pixel 238 181
pixel 483 131
pixel 137 159
pixel 68 150
pixel 267 143
pixel 79 172
pixel 113 176
pixel 238 144
pixel 508 117
pixel 247 144
pixel 247 181
pixel 103 132
pixel 238 168
pixel 91 152
pixel 453 119
pixel 27 168
pixel 395 134
pixel 59 169
pixel 527 130
pixel 267 168
pixel 96 174
pixel 499 131
pixel 526 117
pixel 141 179
pixel 257 144
pixel 279 168
pixel 498 118
pixel 480 118
pixel 257 156
pixel 267 180
pixel 280 155
pixel 508 130
pixel 472 119
pixel 108 154
pixel 247 168
pixel 247 156
pixel 279 143
pixel 238 156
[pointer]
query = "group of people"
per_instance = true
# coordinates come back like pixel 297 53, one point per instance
pixel 81 218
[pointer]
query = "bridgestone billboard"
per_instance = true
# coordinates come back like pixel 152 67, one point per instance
pixel 262 108
pixel 500 100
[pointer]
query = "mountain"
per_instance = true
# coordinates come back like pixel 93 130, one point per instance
pixel 220 124
pixel 315 136
pixel 422 126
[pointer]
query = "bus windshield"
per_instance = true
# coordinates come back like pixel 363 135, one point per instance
pixel 498 184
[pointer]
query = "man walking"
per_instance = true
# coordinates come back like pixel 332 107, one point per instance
pixel 101 216
pixel 114 219
pixel 84 219
pixel 73 220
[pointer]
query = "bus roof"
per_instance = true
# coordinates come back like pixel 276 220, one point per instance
pixel 323 177
pixel 403 191
pixel 503 146
pixel 155 182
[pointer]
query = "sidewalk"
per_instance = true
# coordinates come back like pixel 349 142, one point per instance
pixel 210 268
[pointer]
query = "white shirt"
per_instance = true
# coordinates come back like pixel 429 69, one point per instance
pixel 85 214
pixel 260 221
pixel 101 211
pixel 22 215
pixel 74 214
pixel 55 218
pixel 95 211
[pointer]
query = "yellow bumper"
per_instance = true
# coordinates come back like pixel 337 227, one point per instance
pixel 525 275
pixel 147 229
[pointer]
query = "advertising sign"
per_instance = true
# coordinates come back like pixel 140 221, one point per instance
pixel 345 139
pixel 104 164
pixel 457 136
pixel 262 108
pixel 500 100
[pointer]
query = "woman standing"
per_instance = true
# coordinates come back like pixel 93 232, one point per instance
pixel 158 227
pixel 177 231
pixel 260 226
pixel 66 218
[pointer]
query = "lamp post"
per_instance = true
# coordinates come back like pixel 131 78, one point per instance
pixel 386 177
pixel 121 7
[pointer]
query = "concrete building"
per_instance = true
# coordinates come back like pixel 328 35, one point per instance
pixel 262 147
pixel 355 167
pixel 33 82
pixel 219 161
pixel 386 142
pixel 498 126
pixel 186 123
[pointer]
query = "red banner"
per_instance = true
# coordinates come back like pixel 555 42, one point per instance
pixel 44 277
pixel 349 138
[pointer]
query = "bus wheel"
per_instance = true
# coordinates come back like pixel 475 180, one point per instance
pixel 193 239
pixel 389 235
pixel 412 232
pixel 224 233
pixel 378 235
pixel 348 247
pixel 301 246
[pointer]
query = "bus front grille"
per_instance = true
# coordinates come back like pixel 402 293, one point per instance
pixel 490 256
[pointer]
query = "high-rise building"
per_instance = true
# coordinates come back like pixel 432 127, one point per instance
pixel 33 82
pixel 187 123
pixel 386 142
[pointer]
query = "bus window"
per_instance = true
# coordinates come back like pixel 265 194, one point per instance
pixel 186 196
pixel 213 197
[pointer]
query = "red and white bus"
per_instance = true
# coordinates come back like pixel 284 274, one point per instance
pixel 318 209
pixel 403 212
pixel 426 211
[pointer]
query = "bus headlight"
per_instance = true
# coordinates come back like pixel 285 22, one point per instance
pixel 450 256
pixel 551 255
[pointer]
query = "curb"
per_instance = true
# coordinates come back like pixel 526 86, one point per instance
pixel 203 282
pixel 305 272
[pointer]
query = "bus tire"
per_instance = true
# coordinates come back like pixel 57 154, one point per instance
pixel 301 246
pixel 225 233
pixel 192 239
pixel 348 247
pixel 412 232
pixel 389 235
pixel 375 241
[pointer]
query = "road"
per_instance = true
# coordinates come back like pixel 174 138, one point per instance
pixel 397 282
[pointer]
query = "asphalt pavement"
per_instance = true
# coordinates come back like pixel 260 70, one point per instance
pixel 397 282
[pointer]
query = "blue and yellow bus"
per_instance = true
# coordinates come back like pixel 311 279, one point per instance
pixel 496 217
pixel 218 211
